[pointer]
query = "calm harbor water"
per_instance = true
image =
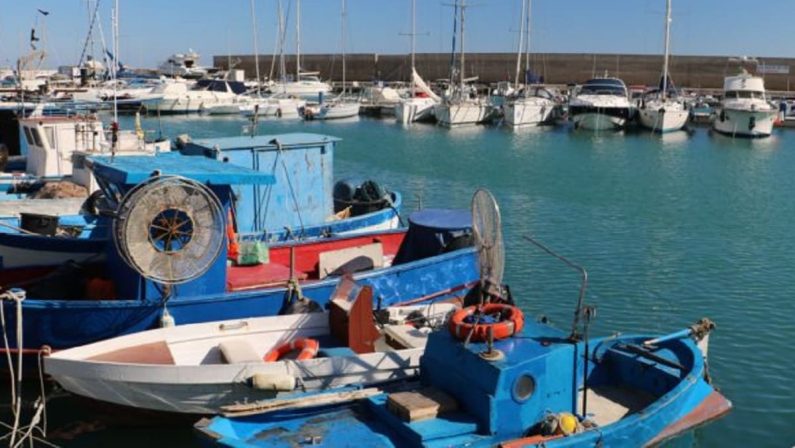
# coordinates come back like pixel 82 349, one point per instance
pixel 671 229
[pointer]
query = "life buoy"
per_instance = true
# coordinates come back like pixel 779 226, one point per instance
pixel 308 347
pixel 509 321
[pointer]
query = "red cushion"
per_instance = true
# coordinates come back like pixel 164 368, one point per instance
pixel 241 278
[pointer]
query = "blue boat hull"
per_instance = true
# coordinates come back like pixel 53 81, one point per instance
pixel 681 400
pixel 67 323
pixel 19 250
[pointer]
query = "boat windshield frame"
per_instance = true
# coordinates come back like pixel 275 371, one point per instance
pixel 744 95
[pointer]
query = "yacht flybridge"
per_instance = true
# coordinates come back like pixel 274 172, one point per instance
pixel 601 104
pixel 183 65
pixel 744 110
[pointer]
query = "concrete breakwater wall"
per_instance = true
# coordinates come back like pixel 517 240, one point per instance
pixel 557 68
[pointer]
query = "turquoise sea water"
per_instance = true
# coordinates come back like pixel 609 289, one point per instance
pixel 671 229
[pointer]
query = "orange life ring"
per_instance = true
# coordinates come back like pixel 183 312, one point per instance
pixel 308 347
pixel 510 322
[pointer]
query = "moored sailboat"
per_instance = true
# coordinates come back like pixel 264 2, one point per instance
pixel 461 104
pixel 528 105
pixel 663 111
pixel 421 101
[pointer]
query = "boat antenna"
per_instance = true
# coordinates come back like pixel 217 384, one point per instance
pixel 256 49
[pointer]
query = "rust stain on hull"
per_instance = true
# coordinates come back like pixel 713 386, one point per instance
pixel 714 407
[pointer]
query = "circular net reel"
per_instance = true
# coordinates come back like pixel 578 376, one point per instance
pixel 169 229
pixel 487 230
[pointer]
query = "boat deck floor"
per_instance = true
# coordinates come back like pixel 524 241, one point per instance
pixel 151 353
pixel 609 404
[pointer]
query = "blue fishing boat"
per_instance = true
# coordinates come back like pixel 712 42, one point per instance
pixel 301 203
pixel 496 379
pixel 167 260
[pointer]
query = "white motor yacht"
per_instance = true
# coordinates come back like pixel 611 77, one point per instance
pixel 744 110
pixel 183 65
pixel 601 104
pixel 178 97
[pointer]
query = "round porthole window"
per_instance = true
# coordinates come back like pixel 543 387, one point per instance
pixel 523 388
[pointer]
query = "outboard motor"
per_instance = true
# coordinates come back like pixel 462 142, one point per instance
pixel 365 198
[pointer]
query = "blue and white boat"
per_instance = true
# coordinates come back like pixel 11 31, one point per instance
pixel 301 203
pixel 543 390
pixel 167 260
pixel 495 379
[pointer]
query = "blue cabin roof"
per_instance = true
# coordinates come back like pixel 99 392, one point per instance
pixel 264 141
pixel 130 170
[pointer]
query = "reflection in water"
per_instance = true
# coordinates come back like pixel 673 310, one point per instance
pixel 765 144
pixel 674 140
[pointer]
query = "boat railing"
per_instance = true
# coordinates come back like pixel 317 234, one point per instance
pixel 580 310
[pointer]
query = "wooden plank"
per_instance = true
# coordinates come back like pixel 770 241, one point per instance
pixel 420 405
pixel 262 407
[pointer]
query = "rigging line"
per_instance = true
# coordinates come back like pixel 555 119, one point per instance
pixel 89 36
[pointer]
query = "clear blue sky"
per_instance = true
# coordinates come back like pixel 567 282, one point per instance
pixel 153 29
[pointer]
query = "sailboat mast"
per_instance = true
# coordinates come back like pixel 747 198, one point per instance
pixel 521 43
pixel 461 74
pixel 115 46
pixel 527 40
pixel 256 49
pixel 297 40
pixel 281 40
pixel 343 46
pixel 667 47
pixel 413 45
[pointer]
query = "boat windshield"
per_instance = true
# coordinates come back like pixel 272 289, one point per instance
pixel 605 86
pixel 745 94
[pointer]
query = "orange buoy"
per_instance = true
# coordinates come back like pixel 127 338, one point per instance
pixel 510 321
pixel 308 347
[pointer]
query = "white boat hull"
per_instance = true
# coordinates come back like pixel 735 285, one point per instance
pixel 598 122
pixel 667 121
pixel 190 375
pixel 744 123
pixel 414 110
pixel 450 115
pixel 335 111
pixel 527 113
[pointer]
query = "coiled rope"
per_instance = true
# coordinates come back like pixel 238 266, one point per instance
pixel 18 433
